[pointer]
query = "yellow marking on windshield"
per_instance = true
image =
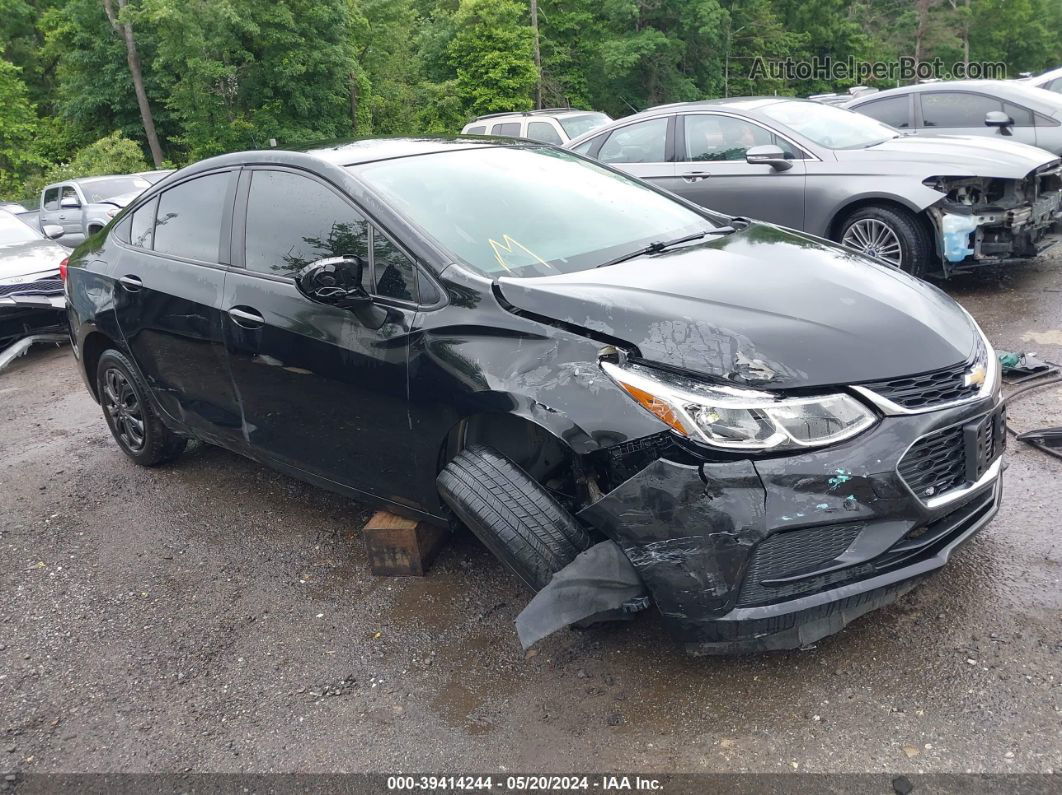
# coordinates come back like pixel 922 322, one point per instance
pixel 507 245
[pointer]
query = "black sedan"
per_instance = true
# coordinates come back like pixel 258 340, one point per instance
pixel 773 433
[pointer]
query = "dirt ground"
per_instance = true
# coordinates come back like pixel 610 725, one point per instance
pixel 212 615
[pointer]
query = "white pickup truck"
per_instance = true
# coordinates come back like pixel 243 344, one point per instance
pixel 84 206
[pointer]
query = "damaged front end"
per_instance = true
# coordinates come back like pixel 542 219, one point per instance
pixel 776 549
pixel 990 220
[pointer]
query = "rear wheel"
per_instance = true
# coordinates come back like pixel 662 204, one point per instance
pixel 891 234
pixel 130 415
pixel 514 517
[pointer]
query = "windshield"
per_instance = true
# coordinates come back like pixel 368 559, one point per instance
pixel 13 230
pixel 577 125
pixel 527 211
pixel 103 189
pixel 834 128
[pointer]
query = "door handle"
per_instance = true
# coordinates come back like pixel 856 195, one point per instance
pixel 695 176
pixel 131 283
pixel 246 317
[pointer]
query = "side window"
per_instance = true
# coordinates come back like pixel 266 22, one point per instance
pixel 51 199
pixel 585 147
pixel 188 221
pixel 894 111
pixel 509 128
pixel 395 274
pixel 293 220
pixel 643 142
pixel 1055 85
pixel 479 129
pixel 68 192
pixel 142 227
pixel 1023 117
pixel 956 109
pixel 722 138
pixel 543 131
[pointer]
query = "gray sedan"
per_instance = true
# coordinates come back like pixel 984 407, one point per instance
pixel 929 205
pixel 1001 109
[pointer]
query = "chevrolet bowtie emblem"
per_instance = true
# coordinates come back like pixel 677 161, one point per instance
pixel 975 376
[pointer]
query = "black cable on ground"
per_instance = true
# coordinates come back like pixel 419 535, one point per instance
pixel 1029 388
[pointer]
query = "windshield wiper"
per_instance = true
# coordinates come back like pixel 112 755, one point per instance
pixel 661 245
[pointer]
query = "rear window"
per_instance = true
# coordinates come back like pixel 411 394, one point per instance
pixel 509 128
pixel 142 227
pixel 188 223
pixel 479 129
pixel 543 131
pixel 584 123
pixel 894 111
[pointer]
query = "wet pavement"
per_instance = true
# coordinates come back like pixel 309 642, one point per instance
pixel 213 615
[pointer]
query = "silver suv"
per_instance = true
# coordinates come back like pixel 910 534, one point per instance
pixel 551 126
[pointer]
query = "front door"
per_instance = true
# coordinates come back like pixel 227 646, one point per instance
pixel 963 113
pixel 322 390
pixel 713 173
pixel 167 294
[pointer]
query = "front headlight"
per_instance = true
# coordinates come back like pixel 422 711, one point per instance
pixel 741 419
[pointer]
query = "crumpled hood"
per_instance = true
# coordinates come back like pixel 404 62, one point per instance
pixel 30 260
pixel 765 306
pixel 957 155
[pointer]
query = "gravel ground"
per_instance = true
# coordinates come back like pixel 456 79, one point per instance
pixel 212 615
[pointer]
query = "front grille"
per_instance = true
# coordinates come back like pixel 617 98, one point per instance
pixel 947 385
pixel 41 287
pixel 935 463
pixel 791 553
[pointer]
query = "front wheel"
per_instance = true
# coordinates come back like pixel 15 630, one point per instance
pixel 890 234
pixel 130 415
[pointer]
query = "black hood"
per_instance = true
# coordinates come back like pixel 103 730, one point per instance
pixel 764 306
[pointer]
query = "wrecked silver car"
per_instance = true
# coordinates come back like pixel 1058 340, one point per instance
pixel 931 205
pixel 629 399
pixel 32 307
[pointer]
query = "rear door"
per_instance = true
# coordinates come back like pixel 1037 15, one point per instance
pixel 642 149
pixel 713 172
pixel 168 296
pixel 322 390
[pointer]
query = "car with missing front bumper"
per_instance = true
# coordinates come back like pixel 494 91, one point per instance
pixel 771 433
pixel 932 205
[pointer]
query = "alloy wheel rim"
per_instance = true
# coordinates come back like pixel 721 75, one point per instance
pixel 875 239
pixel 122 405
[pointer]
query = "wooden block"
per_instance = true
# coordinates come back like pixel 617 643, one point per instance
pixel 400 547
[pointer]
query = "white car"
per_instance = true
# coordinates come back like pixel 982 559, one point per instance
pixel 551 126
pixel 1051 80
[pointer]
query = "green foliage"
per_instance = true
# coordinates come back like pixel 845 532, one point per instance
pixel 491 55
pixel 18 130
pixel 111 154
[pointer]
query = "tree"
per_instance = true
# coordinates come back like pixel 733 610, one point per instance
pixel 124 28
pixel 492 56
pixel 18 131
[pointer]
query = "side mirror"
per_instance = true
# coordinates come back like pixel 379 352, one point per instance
pixel 69 202
pixel 52 231
pixel 767 155
pixel 997 118
pixel 335 281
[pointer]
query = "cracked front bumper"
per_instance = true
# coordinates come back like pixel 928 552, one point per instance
pixel 744 556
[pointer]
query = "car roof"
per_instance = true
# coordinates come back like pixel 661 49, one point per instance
pixel 1012 88
pixel 349 153
pixel 550 112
